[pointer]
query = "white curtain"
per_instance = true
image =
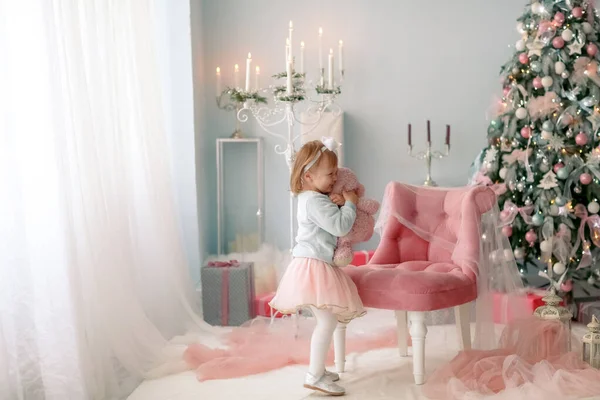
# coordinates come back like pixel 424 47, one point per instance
pixel 93 279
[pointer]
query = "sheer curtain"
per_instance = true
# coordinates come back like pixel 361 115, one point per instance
pixel 93 279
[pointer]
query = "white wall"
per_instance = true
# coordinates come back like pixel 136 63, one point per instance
pixel 406 61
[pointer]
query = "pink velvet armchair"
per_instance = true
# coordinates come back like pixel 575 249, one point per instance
pixel 411 275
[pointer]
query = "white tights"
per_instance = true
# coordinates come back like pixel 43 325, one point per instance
pixel 321 340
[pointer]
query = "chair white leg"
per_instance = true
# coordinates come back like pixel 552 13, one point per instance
pixel 402 326
pixel 418 331
pixel 339 347
pixel 462 316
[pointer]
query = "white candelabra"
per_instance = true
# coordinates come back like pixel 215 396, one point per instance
pixel 287 100
pixel 233 98
pixel 428 154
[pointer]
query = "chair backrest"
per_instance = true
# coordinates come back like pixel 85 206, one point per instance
pixel 450 215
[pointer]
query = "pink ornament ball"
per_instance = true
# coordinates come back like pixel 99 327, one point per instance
pixel 585 178
pixel 526 132
pixel 537 82
pixel 507 231
pixel 566 286
pixel 581 139
pixel 577 12
pixel 504 214
pixel 559 18
pixel 592 49
pixel 558 42
pixel 523 59
pixel 530 236
pixel 557 167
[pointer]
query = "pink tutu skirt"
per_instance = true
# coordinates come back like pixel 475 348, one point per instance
pixel 310 282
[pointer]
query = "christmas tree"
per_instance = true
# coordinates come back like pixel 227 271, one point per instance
pixel 542 157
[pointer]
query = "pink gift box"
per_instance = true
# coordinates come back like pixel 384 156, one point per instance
pixel 525 303
pixel 362 257
pixel 262 307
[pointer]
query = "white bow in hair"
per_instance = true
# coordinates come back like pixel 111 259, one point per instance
pixel 330 143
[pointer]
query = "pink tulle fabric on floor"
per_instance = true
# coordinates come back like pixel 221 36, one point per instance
pixel 259 348
pixel 532 362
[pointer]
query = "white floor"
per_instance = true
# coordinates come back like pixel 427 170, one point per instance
pixel 377 374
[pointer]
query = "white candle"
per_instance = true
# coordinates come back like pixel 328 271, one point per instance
pixel 330 75
pixel 320 50
pixel 289 77
pixel 218 81
pixel 301 57
pixel 257 77
pixel 341 56
pixel 236 73
pixel 291 56
pixel 248 67
pixel 287 52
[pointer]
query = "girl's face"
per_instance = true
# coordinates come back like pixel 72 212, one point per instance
pixel 321 177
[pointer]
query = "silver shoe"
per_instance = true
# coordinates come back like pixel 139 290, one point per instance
pixel 332 375
pixel 323 384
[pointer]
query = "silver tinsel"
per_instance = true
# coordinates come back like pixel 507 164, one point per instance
pixel 577 189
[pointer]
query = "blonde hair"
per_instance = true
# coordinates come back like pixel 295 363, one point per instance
pixel 305 155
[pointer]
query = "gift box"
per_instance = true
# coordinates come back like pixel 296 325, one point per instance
pixel 262 307
pixel 228 292
pixel 362 257
pixel 505 305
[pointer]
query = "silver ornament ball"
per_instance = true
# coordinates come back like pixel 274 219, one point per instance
pixel 548 126
pixel 537 219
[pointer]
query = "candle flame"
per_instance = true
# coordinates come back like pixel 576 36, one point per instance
pixel 257 69
pixel 249 55
pixel 236 67
pixel 291 25
pixel 302 44
pixel 218 70
pixel 287 41
pixel 320 31
pixel 330 51
pixel 341 43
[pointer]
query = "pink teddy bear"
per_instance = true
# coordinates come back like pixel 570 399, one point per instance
pixel 363 227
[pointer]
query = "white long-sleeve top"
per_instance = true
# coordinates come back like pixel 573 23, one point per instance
pixel 320 223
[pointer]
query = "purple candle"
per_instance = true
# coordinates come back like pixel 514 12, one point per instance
pixel 409 135
pixel 447 134
pixel 428 132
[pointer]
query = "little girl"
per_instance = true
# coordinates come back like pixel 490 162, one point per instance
pixel 311 280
